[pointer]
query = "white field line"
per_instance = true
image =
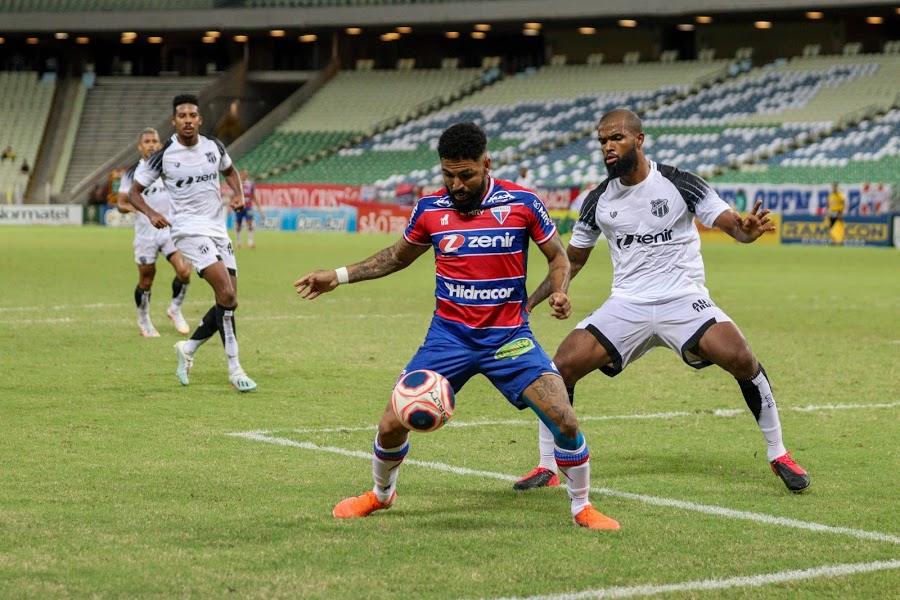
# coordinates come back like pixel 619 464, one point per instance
pixel 654 500
pixel 724 412
pixel 760 580
pixel 130 319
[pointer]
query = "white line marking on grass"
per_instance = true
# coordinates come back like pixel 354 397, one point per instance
pixel 123 319
pixel 654 500
pixel 730 412
pixel 721 584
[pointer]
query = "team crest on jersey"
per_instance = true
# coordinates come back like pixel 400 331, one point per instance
pixel 613 214
pixel 211 157
pixel 659 208
pixel 451 243
pixel 177 164
pixel 500 213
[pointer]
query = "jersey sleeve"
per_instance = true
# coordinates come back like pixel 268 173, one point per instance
pixel 225 161
pixel 151 170
pixel 700 198
pixel 540 227
pixel 126 179
pixel 586 232
pixel 416 231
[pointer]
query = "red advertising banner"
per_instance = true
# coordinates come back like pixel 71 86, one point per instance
pixel 302 195
pixel 557 198
pixel 381 218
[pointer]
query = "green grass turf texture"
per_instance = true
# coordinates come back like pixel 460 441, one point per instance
pixel 116 481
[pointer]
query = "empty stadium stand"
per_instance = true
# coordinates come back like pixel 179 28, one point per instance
pixel 25 101
pixel 355 104
pixel 115 111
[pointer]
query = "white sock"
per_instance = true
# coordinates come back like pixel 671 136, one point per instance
pixel 191 345
pixel 758 395
pixel 178 299
pixel 249 236
pixel 575 466
pixel 545 446
pixel 231 343
pixel 386 468
pixel 144 308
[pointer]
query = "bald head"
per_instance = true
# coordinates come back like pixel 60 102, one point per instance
pixel 630 120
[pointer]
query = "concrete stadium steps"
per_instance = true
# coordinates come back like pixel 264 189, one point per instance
pixel 115 111
pixel 25 102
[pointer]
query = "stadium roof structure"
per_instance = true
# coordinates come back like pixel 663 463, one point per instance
pixel 391 12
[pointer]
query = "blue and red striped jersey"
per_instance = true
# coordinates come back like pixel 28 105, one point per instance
pixel 481 256
pixel 249 189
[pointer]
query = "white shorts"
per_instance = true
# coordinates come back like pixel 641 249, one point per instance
pixel 146 247
pixel 628 330
pixel 202 251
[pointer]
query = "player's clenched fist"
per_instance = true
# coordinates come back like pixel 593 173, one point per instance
pixel 560 306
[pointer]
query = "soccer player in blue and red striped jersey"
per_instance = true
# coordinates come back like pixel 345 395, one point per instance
pixel 479 228
pixel 246 213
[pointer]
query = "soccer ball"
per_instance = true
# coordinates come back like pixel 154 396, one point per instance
pixel 423 400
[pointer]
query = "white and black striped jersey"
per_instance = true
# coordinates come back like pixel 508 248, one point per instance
pixel 191 176
pixel 653 242
pixel 155 195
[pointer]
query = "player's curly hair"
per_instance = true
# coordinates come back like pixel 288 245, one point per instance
pixel 462 141
pixel 184 99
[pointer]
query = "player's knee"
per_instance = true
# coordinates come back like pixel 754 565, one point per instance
pixel 742 363
pixel 571 371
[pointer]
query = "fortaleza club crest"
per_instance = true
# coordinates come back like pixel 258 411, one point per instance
pixel 500 213
pixel 515 348
pixel 659 208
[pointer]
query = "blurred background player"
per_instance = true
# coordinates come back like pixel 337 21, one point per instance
pixel 836 204
pixel 646 211
pixel 524 179
pixel 189 165
pixel 150 241
pixel 480 325
pixel 246 213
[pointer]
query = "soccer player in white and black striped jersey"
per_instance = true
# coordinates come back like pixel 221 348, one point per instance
pixel 189 165
pixel 646 212
pixel 150 241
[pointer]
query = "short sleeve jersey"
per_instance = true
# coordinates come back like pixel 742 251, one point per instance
pixel 249 189
pixel 481 255
pixel 155 195
pixel 653 242
pixel 191 176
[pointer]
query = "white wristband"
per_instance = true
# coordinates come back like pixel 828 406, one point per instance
pixel 342 275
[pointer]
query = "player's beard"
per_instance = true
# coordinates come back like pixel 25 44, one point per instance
pixel 471 202
pixel 624 165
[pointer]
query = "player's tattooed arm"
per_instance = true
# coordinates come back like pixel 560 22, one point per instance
pixel 577 258
pixel 390 260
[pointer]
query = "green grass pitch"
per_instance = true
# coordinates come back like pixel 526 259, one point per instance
pixel 117 482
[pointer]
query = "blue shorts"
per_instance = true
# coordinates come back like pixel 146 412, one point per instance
pixel 240 215
pixel 511 363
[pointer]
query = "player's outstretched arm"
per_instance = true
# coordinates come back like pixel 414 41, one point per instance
pixel 390 260
pixel 137 201
pixel 745 230
pixel 577 258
